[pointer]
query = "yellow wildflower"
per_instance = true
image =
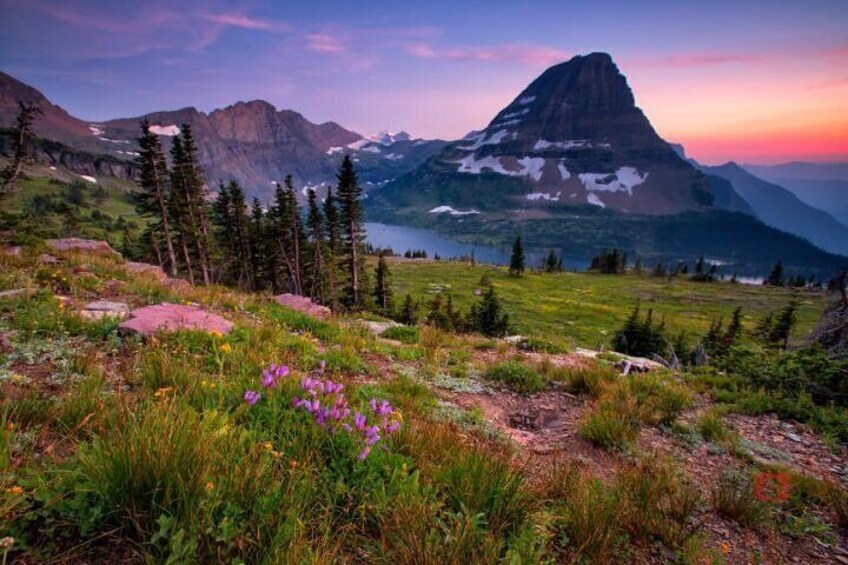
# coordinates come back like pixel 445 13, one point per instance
pixel 268 445
pixel 15 490
pixel 725 547
pixel 225 347
pixel 210 485
pixel 7 543
pixel 216 333
pixel 162 391
pixel 10 426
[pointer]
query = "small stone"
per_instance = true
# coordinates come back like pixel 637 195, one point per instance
pixel 14 293
pixel 842 559
pixel 794 437
pixel 105 309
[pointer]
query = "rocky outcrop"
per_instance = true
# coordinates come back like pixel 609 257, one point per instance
pixel 303 305
pixel 165 317
pixel 100 309
pixel 77 244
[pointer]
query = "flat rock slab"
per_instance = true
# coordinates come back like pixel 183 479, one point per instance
pixel 303 305
pixel 377 328
pixel 150 320
pixel 14 293
pixel 105 309
pixel 77 244
pixel 146 269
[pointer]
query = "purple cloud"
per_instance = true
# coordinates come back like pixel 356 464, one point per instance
pixel 324 43
pixel 244 21
pixel 533 55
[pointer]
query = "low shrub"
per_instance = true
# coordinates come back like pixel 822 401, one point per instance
pixel 608 428
pixel 711 426
pixel 733 497
pixel 516 376
pixel 403 334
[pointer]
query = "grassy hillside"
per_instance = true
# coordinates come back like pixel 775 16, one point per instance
pixel 587 308
pixel 120 449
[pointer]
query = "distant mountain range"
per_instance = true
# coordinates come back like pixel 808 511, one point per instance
pixel 571 163
pixel 251 142
pixel 824 186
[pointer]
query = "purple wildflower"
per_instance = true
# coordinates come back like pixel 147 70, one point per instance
pixel 364 453
pixel 251 397
pixel 359 421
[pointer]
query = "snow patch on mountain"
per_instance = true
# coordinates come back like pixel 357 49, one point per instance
pixel 169 131
pixel 594 199
pixel 515 114
pixel 89 179
pixel 389 138
pixel 623 180
pixel 479 139
pixel 333 150
pixel 543 144
pixel 532 167
pixel 536 196
pixel 95 129
pixel 563 170
pixel 452 211
pixel 526 100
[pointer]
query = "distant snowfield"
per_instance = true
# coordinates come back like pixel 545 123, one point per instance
pixel 530 166
pixel 452 211
pixel 479 139
pixel 594 199
pixel 526 100
pixel 623 180
pixel 89 179
pixel 169 131
pixel 536 196
pixel 95 129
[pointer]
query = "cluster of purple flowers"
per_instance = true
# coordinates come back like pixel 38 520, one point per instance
pixel 270 376
pixel 326 402
pixel 334 408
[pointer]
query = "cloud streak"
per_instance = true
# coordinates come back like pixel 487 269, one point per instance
pixel 701 59
pixel 532 55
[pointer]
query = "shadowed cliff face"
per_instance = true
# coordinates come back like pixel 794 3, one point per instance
pixel 573 136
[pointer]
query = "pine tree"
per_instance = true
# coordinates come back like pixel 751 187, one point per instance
pixel 488 316
pixel 516 261
pixel 258 245
pixel 21 133
pixel 351 218
pixel 193 183
pixel 783 324
pixel 734 330
pixel 315 228
pixel 775 277
pixel 409 312
pixel 153 180
pixel 178 207
pixel 333 226
pixel 296 236
pixel 551 264
pixel 382 287
pixel 231 218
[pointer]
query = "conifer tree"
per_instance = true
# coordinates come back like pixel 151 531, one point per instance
pixel 153 180
pixel 21 133
pixel 551 264
pixel 409 312
pixel 258 245
pixel 333 228
pixel 516 261
pixel 178 208
pixel 775 277
pixel 351 218
pixel 296 236
pixel 488 316
pixel 193 183
pixel 382 287
pixel 315 228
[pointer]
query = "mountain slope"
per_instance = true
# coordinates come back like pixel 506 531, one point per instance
pixel 251 142
pixel 779 208
pixel 574 135
pixel 821 185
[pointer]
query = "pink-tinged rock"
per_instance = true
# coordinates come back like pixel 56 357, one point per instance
pixel 11 250
pixel 77 244
pixel 303 305
pixel 146 269
pixel 171 317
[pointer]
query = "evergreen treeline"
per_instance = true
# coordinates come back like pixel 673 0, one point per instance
pixel 609 262
pixel 319 252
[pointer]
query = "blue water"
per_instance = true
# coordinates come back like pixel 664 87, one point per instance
pixel 402 238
